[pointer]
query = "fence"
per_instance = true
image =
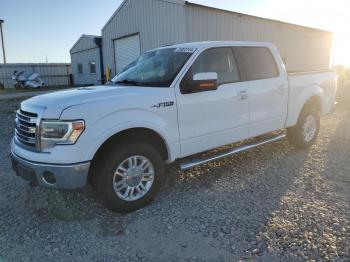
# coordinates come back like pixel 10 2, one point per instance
pixel 51 74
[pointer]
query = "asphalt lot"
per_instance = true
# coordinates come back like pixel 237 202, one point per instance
pixel 273 203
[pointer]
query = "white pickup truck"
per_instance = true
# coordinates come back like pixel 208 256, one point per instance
pixel 171 103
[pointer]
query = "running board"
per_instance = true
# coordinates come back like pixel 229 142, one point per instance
pixel 200 161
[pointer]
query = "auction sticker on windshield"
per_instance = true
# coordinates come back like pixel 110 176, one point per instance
pixel 185 50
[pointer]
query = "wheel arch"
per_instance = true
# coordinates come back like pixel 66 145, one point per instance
pixel 311 102
pixel 138 134
pixel 311 96
pixel 296 133
pixel 314 101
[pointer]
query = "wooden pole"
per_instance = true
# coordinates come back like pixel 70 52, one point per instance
pixel 2 41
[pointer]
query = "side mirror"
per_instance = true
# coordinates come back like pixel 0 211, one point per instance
pixel 201 82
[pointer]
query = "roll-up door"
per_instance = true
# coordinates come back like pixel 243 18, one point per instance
pixel 126 50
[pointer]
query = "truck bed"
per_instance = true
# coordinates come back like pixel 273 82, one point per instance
pixel 327 80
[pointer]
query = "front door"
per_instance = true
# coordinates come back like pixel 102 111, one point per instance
pixel 210 119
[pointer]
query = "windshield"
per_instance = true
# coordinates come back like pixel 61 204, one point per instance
pixel 156 68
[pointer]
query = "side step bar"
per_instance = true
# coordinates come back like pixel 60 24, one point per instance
pixel 200 161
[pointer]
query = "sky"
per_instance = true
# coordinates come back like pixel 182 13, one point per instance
pixel 36 30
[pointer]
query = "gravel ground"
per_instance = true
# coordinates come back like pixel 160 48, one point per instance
pixel 21 94
pixel 272 203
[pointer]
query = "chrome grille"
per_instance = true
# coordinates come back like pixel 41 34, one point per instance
pixel 25 128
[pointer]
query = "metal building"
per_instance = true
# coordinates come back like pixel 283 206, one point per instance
pixel 141 25
pixel 86 60
pixel 53 74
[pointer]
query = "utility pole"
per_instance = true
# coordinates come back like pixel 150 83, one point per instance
pixel 2 41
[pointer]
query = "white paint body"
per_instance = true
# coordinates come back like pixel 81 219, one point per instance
pixel 195 123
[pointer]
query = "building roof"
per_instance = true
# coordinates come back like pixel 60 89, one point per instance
pixel 258 17
pixel 95 41
pixel 182 2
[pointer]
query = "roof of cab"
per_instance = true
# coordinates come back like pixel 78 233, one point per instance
pixel 209 44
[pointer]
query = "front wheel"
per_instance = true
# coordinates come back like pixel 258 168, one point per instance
pixel 306 131
pixel 130 177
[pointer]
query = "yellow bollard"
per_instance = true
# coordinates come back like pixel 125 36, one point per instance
pixel 108 74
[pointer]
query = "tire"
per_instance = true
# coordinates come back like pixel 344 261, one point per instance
pixel 118 159
pixel 305 133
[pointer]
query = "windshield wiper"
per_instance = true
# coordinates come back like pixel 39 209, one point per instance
pixel 136 83
pixel 127 82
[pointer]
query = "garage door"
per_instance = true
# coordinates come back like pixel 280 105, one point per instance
pixel 126 50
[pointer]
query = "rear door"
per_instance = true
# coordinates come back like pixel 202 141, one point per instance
pixel 210 119
pixel 126 50
pixel 268 89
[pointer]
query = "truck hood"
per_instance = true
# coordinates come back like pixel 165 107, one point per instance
pixel 52 104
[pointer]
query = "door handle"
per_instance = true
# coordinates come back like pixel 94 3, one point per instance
pixel 281 89
pixel 243 95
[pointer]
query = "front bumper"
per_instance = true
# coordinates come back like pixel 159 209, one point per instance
pixel 71 176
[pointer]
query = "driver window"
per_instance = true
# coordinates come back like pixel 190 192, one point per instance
pixel 218 60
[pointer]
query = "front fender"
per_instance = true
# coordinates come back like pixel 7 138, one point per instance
pixel 156 125
pixel 100 129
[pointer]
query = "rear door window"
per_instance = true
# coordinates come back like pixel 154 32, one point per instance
pixel 258 62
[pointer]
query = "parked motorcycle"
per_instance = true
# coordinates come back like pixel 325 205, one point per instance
pixel 30 81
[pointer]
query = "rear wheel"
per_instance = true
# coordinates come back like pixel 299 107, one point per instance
pixel 130 177
pixel 305 133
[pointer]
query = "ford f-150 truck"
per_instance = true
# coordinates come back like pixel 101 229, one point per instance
pixel 170 104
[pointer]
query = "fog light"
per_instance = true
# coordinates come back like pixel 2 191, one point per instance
pixel 49 178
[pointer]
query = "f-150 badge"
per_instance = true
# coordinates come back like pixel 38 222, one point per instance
pixel 163 104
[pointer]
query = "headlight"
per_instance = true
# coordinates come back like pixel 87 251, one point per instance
pixel 60 133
